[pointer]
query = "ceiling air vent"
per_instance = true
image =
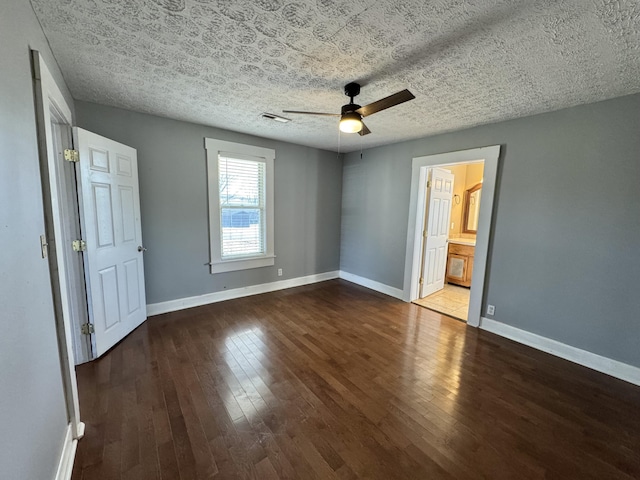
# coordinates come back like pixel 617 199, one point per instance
pixel 277 118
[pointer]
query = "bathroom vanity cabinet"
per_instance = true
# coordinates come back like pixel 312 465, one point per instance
pixel 460 264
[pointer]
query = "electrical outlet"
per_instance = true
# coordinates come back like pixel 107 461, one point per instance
pixel 491 309
pixel 279 272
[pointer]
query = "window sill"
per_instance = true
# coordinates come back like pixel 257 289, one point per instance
pixel 222 266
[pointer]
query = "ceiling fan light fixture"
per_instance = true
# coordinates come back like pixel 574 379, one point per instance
pixel 351 122
pixel 352 114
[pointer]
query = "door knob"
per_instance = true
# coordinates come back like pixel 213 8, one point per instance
pixel 141 248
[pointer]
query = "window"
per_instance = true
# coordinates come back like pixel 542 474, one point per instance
pixel 240 205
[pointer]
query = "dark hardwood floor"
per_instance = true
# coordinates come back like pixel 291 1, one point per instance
pixel 334 381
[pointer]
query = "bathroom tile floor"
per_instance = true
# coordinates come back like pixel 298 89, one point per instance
pixel 452 300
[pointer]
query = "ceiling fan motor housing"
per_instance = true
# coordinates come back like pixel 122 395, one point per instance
pixel 350 107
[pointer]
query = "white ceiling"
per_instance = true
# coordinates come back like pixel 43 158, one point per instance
pixel 223 62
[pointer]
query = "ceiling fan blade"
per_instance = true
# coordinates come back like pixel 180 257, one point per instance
pixel 364 131
pixel 312 113
pixel 387 102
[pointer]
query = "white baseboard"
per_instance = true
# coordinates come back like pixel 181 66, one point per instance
pixel 596 362
pixel 189 302
pixel 372 284
pixel 68 455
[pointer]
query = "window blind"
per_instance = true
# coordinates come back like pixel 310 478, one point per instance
pixel 242 206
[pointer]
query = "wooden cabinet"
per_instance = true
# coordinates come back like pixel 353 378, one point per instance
pixel 460 264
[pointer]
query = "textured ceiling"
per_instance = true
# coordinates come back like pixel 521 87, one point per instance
pixel 222 62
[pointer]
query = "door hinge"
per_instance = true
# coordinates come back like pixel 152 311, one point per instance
pixel 44 246
pixel 424 233
pixel 71 155
pixel 87 328
pixel 79 245
pixel 428 183
pixel 421 280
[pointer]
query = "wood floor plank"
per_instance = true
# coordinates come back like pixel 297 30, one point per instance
pixel 335 381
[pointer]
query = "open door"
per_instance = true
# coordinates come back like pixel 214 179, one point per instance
pixel 110 216
pixel 436 234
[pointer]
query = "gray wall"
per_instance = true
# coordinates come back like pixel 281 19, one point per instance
pixel 564 259
pixel 173 196
pixel 33 416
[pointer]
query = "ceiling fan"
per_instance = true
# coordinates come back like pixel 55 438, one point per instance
pixel 352 114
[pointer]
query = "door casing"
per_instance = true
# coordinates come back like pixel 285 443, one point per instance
pixel 419 170
pixel 52 109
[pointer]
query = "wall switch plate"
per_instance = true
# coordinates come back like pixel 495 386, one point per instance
pixel 452 225
pixel 279 272
pixel 491 310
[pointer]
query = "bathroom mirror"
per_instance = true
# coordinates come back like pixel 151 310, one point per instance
pixel 471 209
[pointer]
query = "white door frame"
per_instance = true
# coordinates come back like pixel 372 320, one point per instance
pixel 419 169
pixel 68 209
pixel 51 105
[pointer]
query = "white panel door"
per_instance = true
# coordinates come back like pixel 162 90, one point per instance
pixel 110 213
pixel 438 217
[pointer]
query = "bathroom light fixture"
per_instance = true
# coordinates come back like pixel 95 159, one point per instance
pixel 351 122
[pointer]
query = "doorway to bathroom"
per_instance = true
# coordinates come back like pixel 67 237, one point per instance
pixel 451 210
pixel 431 250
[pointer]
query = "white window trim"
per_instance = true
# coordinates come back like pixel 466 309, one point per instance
pixel 214 147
